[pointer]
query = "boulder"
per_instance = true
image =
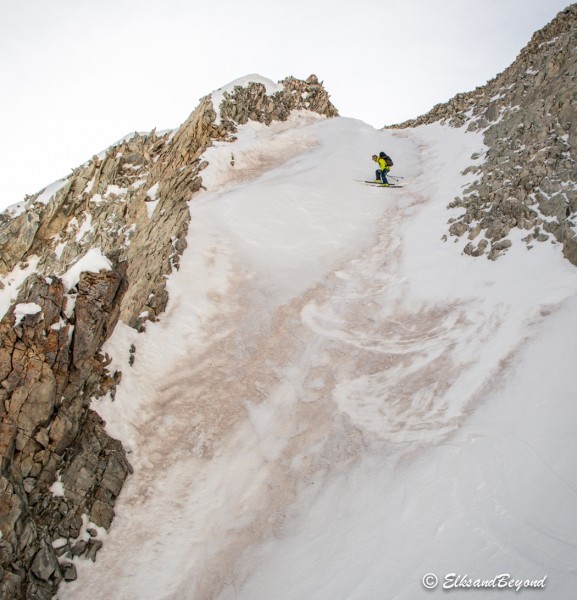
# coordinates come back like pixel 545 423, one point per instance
pixel 45 564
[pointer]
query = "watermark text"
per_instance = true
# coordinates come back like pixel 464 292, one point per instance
pixel 454 581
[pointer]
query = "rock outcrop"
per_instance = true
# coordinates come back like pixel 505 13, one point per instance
pixel 132 199
pixel 252 102
pixel 50 367
pixel 60 471
pixel 528 115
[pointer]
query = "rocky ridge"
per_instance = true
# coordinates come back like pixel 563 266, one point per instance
pixel 526 177
pixel 60 471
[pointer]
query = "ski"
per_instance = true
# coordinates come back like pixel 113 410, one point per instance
pixel 374 183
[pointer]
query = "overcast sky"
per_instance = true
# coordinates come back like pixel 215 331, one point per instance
pixel 75 76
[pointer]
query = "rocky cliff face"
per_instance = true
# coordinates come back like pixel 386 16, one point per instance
pixel 60 471
pixel 50 367
pixel 528 115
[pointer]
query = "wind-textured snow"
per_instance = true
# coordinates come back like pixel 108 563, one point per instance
pixel 337 402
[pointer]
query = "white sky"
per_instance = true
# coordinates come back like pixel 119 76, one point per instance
pixel 75 76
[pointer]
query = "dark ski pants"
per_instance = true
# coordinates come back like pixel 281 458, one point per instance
pixel 382 175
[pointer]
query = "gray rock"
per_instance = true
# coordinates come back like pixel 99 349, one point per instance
pixel 93 547
pixel 79 548
pixel 530 112
pixel 45 564
pixel 69 572
pixel 458 229
pixel 502 245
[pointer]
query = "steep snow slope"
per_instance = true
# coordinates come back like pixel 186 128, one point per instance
pixel 336 401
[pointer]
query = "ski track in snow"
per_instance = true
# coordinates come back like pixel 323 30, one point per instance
pixel 319 342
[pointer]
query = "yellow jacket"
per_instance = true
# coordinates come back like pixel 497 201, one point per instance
pixel 382 163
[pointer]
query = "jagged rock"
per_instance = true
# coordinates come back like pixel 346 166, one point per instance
pixel 481 247
pixel 110 194
pixel 16 238
pixel 10 585
pixel 7 444
pixel 529 114
pixel 458 229
pixel 62 550
pixel 96 312
pixel 130 203
pixel 502 245
pixel 46 425
pixel 92 549
pixel 69 572
pixel 570 250
pixel 45 565
pixel 252 103
pixel 79 548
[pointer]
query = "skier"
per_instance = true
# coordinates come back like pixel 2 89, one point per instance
pixel 385 163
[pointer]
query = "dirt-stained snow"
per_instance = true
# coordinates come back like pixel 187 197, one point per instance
pixel 337 402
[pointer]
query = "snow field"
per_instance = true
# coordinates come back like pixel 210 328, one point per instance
pixel 335 401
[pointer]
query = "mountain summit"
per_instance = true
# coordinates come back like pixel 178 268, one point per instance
pixel 231 369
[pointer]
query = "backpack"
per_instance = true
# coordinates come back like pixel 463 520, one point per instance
pixel 387 158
